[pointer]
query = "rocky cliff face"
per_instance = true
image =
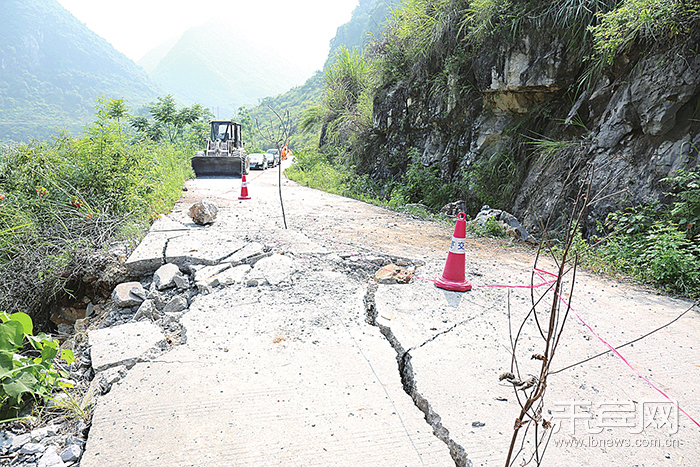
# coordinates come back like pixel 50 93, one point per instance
pixel 516 114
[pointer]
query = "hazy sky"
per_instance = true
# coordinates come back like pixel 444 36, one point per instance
pixel 301 29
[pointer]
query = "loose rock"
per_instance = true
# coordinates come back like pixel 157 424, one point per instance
pixel 275 269
pixel 146 311
pixel 50 458
pixel 507 220
pixel 128 294
pixel 32 448
pixel 71 454
pixel 204 212
pixel 176 304
pixel 164 277
pixel 19 441
pixel 453 209
pixel 393 274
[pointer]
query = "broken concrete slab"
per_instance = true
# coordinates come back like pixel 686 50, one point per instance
pixel 278 382
pixel 450 341
pixel 207 272
pixel 148 256
pixel 202 246
pixel 248 254
pixel 234 275
pixel 275 269
pixel 128 294
pixel 164 277
pixel 123 344
pixel 403 309
pixel 167 224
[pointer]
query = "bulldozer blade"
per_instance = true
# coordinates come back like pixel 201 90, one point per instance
pixel 216 166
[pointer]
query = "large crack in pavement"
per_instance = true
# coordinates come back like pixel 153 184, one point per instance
pixel 403 358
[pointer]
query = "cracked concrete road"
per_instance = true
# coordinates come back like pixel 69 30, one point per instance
pixel 333 370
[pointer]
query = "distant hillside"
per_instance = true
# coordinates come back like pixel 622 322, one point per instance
pixel 53 69
pixel 296 100
pixel 221 69
pixel 365 25
pixel 150 61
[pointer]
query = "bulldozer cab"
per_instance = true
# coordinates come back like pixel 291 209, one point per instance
pixel 227 131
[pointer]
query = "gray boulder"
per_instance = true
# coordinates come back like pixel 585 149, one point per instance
pixel 165 276
pixel 128 294
pixel 176 304
pixel 453 209
pixel 71 454
pixel 203 212
pixel 275 270
pixel 503 217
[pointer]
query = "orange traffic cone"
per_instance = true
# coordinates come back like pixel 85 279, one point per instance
pixel 453 275
pixel 244 189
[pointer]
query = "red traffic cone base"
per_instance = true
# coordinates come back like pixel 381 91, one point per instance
pixel 453 276
pixel 244 189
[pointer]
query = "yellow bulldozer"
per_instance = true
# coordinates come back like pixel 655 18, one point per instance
pixel 224 154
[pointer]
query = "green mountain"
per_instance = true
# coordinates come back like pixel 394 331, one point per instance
pixel 294 101
pixel 53 68
pixel 366 24
pixel 219 68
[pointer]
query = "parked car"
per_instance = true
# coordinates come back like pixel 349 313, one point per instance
pixel 258 160
pixel 273 157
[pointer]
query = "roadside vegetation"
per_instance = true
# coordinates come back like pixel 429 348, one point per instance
pixel 654 244
pixel 70 199
pixel 27 368
pixel 62 199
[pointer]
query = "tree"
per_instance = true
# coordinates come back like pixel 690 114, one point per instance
pixel 117 109
pixel 247 128
pixel 186 124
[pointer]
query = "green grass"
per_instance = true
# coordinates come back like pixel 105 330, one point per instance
pixel 652 21
pixel 418 186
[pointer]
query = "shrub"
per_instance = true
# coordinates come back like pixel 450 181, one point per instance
pixel 645 243
pixel 491 228
pixel 422 184
pixel 313 169
pixel 686 211
pixel 27 374
pixel 641 20
pixel 63 197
